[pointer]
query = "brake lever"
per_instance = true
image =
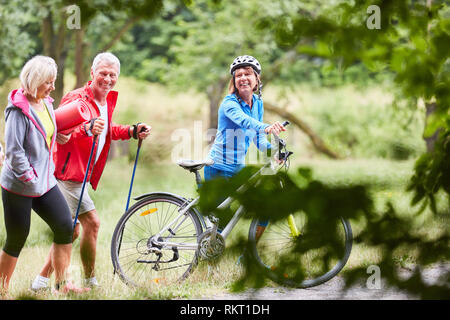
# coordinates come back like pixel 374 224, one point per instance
pixel 282 144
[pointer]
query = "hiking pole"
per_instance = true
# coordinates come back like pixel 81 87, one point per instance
pixel 131 187
pixel 84 181
pixel 134 169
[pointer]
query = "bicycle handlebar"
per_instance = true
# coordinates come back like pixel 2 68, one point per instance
pixel 282 145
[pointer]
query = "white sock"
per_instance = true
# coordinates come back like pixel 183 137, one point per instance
pixel 40 282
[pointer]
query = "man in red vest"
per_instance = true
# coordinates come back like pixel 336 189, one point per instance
pixel 72 155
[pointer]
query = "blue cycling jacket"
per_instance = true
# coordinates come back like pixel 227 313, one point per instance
pixel 238 124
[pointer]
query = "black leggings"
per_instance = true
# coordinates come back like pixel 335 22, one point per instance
pixel 51 207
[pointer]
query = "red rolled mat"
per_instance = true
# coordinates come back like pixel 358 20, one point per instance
pixel 71 115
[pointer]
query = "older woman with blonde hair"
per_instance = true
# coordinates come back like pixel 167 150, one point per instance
pixel 27 177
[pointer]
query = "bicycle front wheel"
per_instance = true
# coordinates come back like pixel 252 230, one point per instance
pixel 301 253
pixel 153 243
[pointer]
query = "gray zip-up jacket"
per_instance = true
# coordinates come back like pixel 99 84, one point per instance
pixel 28 168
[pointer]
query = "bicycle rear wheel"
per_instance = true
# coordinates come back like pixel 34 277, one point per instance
pixel 139 257
pixel 311 258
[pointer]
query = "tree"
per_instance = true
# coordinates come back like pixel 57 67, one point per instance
pixel 44 27
pixel 412 42
pixel 90 34
pixel 16 45
pixel 212 35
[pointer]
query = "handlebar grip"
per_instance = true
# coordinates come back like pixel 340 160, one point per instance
pixel 143 129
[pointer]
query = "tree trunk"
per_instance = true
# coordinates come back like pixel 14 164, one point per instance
pixel 430 106
pixel 47 34
pixel 128 24
pixel 81 70
pixel 215 93
pixel 430 141
pixel 315 139
pixel 55 46
pixel 83 59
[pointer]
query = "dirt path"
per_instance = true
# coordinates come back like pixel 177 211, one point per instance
pixel 334 290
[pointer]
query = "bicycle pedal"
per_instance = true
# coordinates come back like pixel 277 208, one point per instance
pixel 213 219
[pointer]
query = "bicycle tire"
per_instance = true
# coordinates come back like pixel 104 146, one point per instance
pixel 288 261
pixel 131 252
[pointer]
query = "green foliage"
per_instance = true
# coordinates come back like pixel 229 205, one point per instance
pixel 16 45
pixel 413 43
pixel 280 200
pixel 365 123
pixel 146 48
pixel 173 47
pixel 388 229
pixel 432 171
pixel 216 34
pixel 24 26
pixel 205 36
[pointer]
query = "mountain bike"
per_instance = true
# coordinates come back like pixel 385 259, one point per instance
pixel 162 237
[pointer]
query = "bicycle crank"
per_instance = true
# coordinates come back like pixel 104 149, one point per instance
pixel 210 246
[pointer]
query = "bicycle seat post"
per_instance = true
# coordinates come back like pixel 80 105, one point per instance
pixel 198 178
pixel 195 166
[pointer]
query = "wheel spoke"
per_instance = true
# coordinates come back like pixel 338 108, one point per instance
pixel 303 261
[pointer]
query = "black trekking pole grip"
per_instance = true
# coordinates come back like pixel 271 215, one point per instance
pixel 143 129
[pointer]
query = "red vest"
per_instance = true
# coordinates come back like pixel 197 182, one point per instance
pixel 72 157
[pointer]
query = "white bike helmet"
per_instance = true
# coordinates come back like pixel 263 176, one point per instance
pixel 245 61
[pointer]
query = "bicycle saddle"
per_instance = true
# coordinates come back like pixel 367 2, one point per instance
pixel 193 165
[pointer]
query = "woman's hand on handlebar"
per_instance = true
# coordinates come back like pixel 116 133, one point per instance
pixel 277 160
pixel 275 128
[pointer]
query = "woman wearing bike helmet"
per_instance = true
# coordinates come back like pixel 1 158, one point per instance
pixel 240 120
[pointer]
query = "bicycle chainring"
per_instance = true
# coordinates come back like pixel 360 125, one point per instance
pixel 211 248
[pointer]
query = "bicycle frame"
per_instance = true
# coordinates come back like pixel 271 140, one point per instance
pixel 173 225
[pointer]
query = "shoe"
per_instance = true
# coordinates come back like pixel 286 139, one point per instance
pixel 40 283
pixel 91 283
